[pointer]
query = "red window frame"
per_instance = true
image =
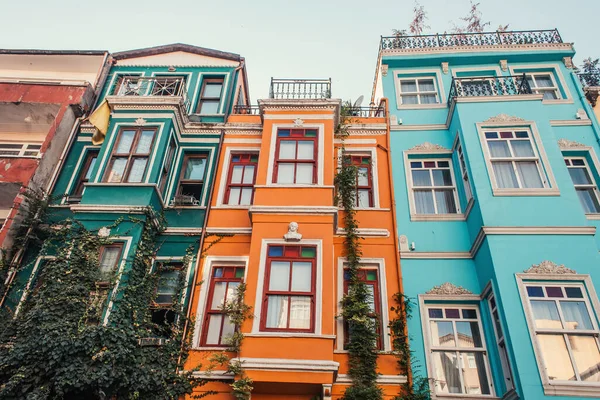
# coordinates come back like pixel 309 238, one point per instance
pixel 230 274
pixel 245 160
pixel 357 160
pixel 296 135
pixel 81 179
pixel 289 254
pixel 362 276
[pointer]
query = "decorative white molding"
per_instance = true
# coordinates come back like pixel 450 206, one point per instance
pixel 364 232
pixel 549 268
pixel 381 379
pixel 104 232
pixel 445 67
pixel 504 65
pixel 435 255
pixel 288 364
pixel 298 122
pixel 292 234
pixel 213 375
pixel 140 122
pixel 449 289
pixel 292 209
pixel 568 61
pixel 570 144
pixel 428 147
pixel 384 69
pixel 230 231
pixel 403 240
pixel 581 114
pixel 503 118
pixel 570 122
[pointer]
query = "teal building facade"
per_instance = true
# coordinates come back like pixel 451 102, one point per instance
pixel 495 166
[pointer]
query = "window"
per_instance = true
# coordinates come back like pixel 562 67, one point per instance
pixel 241 179
pixel 289 295
pixel 167 289
pixel 191 181
pixel 565 330
pixel 370 277
pixel 514 159
pixel 86 172
pixel 164 175
pixel 130 155
pixel 20 150
pixel 418 91
pixel 210 96
pixel 543 83
pixel 433 187
pixel 223 285
pixel 364 179
pixel 585 186
pixel 458 355
pixel 463 171
pixel 296 156
pixel 501 343
pixel 109 257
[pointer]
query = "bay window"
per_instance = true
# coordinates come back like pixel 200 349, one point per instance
pixel 130 155
pixel 501 343
pixel 191 181
pixel 433 188
pixel 296 156
pixel 585 186
pixel 241 179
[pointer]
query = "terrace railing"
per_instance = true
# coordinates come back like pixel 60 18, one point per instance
pixel 489 86
pixel 367 112
pixel 246 110
pixel 449 40
pixel 152 87
pixel 296 89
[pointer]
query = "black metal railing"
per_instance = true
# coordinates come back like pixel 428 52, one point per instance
pixel 247 110
pixel 489 86
pixel 300 89
pixel 151 87
pixel 589 80
pixel 367 112
pixel 470 39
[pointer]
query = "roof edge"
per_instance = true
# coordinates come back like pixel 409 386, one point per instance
pixel 155 50
pixel 54 52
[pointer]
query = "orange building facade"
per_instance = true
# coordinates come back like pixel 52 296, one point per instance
pixel 272 224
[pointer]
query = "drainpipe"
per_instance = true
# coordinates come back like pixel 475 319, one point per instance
pixel 202 238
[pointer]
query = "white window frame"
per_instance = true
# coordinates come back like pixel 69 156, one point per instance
pixel 593 185
pixel 21 152
pixel 584 281
pixel 501 342
pixel 550 187
pixel 462 164
pixel 540 90
pixel 554 70
pixel 445 155
pixel 414 74
pixel 418 93
pixel 430 349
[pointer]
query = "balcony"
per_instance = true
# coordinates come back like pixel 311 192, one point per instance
pixel 300 89
pixel 591 86
pixel 246 110
pixel 488 86
pixel 451 40
pixel 367 112
pixel 156 88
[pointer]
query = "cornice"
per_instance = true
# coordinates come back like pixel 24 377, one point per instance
pixel 479 49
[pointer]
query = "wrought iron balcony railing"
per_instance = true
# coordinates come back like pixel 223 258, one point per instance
pixel 246 110
pixel 589 80
pixel 448 40
pixel 367 112
pixel 489 86
pixel 300 89
pixel 152 87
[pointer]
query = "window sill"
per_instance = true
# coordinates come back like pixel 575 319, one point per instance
pixel 421 106
pixel 437 217
pixel 526 192
pixel 295 185
pixel 593 216
pixel 558 101
pixel 228 207
pixel 209 348
pixel 465 396
pixel 185 208
pixel 290 334
pixel 572 390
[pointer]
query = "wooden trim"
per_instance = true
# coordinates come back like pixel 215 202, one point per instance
pixel 93 153
pixel 131 155
pixel 205 81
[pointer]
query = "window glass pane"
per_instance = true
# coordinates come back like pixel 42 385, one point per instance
pixel 446 370
pixel 228 330
pixel 301 276
pixel 576 315
pixel 529 174
pixel 209 107
pixel 371 290
pixel 435 313
pixel 279 278
pixel 535 291
pixel 168 284
pixel 212 89
pixel 231 291
pixel 275 251
pixel 246 198
pixel 248 174
pixel 143 145
pixel 309 252
pixel 522 148
pixel 287 149
pixel 556 358
pixel 545 314
pixel 110 256
pixel 300 312
pixel 88 173
pixel 428 99
pixel 363 198
pixel 549 94
pixel 554 292
pixel 445 201
pixel 306 150
pixel 304 173
pixel 285 173
pixel 214 329
pixel 442 333
pixel 589 200
pixel 469 314
pixel 574 293
pixel 218 298
pixel 426 85
pixel 194 169
pixel 277 313
pixel 452 313
pixel 408 86
pixel 505 175
pixel 468 334
pixel 363 177
pixel 442 177
pixel 234 196
pixel 543 81
pixel 580 176
pixel 236 174
pixel 587 357
pixel 137 170
pixel 474 374
pixel 410 99
pixel 117 170
pixel 499 148
pixel 125 141
pixel 421 178
pixel 424 202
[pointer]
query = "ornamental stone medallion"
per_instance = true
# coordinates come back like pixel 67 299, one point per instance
pixel 549 268
pixel 428 147
pixel 104 232
pixel 503 118
pixel 570 144
pixel 449 289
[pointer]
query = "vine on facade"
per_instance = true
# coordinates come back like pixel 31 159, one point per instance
pixel 356 312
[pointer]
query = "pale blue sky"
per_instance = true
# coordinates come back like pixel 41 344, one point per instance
pixel 286 39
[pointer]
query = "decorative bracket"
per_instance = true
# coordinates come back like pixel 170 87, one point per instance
pixel 504 65
pixel 445 67
pixel 568 61
pixel 384 69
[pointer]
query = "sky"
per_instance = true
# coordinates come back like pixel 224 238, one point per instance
pixel 281 39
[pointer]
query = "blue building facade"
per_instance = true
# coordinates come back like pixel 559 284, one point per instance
pixel 495 166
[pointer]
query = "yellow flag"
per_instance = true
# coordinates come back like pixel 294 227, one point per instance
pixel 99 118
